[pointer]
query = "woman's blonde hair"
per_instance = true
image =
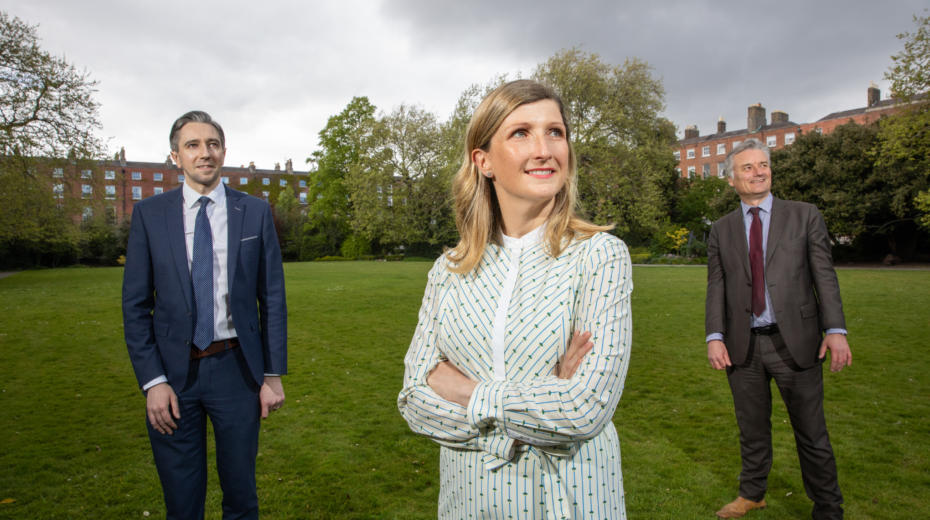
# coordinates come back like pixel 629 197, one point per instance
pixel 477 213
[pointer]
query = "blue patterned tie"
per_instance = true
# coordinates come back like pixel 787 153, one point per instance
pixel 202 277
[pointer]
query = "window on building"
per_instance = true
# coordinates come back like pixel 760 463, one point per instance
pixel 771 141
pixel 677 154
pixel 705 170
pixel 87 191
pixel 691 170
pixel 87 174
pixel 59 191
pixel 137 193
pixel 690 153
pixel 789 138
pixel 303 197
pixel 283 182
pixel 721 148
pixel 137 176
pixel 58 172
pixel 390 201
pixel 110 192
pixel 88 213
pixel 678 171
pixel 302 183
pixel 157 176
pixel 109 175
pixel 243 181
pixel 818 130
pixel 180 179
pixel 159 190
pixel 705 151
pixel 721 170
pixel 265 195
pixel 266 181
pixel 735 144
pixel 225 180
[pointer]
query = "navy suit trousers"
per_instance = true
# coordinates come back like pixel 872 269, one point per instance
pixel 219 387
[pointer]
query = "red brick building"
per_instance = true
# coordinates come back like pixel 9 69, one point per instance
pixel 113 186
pixel 703 156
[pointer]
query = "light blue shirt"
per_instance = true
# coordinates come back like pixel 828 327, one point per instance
pixel 765 215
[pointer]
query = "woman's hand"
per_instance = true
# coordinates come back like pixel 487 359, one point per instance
pixel 577 349
pixel 451 384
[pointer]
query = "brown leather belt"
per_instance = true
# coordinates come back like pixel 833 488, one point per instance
pixel 768 330
pixel 215 348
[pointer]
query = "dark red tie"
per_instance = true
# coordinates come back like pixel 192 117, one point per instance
pixel 757 263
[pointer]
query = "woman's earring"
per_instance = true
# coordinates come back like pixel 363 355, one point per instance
pixel 488 174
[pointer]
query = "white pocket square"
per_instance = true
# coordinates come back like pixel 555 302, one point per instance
pixel 253 237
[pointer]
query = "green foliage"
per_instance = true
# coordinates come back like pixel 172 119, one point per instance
pixel 289 222
pixel 697 203
pixel 355 246
pixel 399 188
pixel 910 73
pixel 624 147
pixel 922 201
pixel 339 449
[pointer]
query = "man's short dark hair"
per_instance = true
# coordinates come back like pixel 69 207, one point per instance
pixel 194 116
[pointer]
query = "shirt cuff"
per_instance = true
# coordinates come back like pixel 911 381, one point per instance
pixel 714 336
pixel 272 375
pixel 486 406
pixel 157 381
pixel 836 331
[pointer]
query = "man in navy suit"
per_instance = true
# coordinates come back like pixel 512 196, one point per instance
pixel 205 321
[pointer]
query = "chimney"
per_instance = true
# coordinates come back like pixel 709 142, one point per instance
pixel 779 117
pixel 691 131
pixel 122 156
pixel 277 166
pixel 755 118
pixel 874 95
pixel 289 166
pixel 721 125
pixel 251 166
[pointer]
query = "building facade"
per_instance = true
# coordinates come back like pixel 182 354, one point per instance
pixel 703 156
pixel 114 186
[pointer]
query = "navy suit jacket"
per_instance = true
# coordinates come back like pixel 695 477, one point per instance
pixel 158 306
pixel 798 272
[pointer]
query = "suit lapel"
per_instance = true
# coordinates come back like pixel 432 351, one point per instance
pixel 775 229
pixel 738 230
pixel 235 212
pixel 174 223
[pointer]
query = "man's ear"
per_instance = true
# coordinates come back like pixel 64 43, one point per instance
pixel 174 157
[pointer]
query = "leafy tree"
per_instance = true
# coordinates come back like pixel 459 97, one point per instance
pixel 910 72
pixel 289 220
pixel 624 148
pixel 700 202
pixel 400 188
pixel 47 112
pixel 341 146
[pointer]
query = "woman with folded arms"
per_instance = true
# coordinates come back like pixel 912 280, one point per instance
pixel 523 341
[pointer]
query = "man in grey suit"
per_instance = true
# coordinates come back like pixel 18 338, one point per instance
pixel 773 310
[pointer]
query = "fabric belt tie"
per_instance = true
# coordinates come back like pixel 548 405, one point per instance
pixel 214 348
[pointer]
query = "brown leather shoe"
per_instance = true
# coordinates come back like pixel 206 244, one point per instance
pixel 739 507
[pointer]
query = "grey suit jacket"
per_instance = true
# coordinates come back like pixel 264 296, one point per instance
pixel 798 272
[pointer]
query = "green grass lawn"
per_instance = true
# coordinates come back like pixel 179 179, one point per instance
pixel 73 441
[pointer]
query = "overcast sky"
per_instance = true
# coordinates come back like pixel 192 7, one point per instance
pixel 273 71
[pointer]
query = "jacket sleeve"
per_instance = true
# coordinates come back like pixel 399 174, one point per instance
pixel 272 302
pixel 715 299
pixel 139 303
pixel 424 410
pixel 823 275
pixel 551 411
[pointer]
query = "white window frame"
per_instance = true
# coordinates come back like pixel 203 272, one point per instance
pixel 789 138
pixel 705 150
pixel 691 172
pixel 137 176
pixel 771 141
pixel 137 193
pixel 109 175
pixel 690 153
pixel 721 148
pixel 110 192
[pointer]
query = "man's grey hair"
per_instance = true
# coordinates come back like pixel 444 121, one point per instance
pixel 194 116
pixel 748 144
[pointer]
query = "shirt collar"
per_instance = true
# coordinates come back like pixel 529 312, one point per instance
pixel 765 205
pixel 528 239
pixel 191 197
